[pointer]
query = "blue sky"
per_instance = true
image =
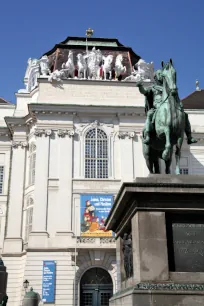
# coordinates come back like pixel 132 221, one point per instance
pixel 155 29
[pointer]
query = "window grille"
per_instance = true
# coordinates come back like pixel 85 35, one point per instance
pixel 32 164
pixel 29 218
pixel 96 154
pixel 1 178
pixel 184 171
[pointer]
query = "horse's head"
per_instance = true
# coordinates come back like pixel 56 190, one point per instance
pixel 169 77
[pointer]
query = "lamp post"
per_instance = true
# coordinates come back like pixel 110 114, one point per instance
pixel 25 285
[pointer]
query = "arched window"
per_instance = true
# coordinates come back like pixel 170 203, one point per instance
pixel 29 217
pixel 96 154
pixel 32 158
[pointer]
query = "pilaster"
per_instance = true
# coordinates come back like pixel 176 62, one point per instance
pixel 13 241
pixel 126 148
pixel 39 235
pixel 64 219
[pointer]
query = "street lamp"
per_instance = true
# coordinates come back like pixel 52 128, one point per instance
pixel 26 284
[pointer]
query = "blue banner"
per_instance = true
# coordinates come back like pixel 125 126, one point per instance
pixel 48 281
pixel 94 210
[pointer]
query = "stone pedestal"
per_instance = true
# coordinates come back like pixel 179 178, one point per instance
pixel 3 281
pixel 164 215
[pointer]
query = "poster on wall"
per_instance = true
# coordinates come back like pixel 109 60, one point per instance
pixel 94 209
pixel 48 281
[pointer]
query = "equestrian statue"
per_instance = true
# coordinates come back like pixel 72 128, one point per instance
pixel 166 120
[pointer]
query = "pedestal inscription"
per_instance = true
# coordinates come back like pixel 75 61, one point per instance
pixel 186 243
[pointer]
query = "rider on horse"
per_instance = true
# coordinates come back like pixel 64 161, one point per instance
pixel 153 100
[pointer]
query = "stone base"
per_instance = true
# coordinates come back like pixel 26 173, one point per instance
pixel 169 294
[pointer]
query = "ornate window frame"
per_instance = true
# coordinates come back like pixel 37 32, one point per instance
pixel 96 138
pixel 108 130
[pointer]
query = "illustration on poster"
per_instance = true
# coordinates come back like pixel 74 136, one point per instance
pixel 94 211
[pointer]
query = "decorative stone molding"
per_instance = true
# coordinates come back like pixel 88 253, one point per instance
pixel 17 144
pixel 174 286
pixel 86 240
pixel 48 132
pixel 123 135
pixel 105 240
pixel 63 133
pixel 40 132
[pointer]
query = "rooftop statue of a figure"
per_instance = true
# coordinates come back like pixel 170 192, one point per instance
pixel 166 120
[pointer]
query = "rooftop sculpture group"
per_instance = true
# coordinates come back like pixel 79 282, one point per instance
pixel 92 65
pixel 166 120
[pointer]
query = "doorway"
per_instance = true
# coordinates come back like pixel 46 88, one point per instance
pixel 96 288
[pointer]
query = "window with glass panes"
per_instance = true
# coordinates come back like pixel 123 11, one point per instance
pixel 96 154
pixel 184 171
pixel 29 218
pixel 1 178
pixel 32 157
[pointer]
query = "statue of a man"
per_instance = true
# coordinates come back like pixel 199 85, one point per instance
pixel 127 255
pixel 153 100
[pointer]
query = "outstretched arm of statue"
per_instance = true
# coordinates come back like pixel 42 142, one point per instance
pixel 142 89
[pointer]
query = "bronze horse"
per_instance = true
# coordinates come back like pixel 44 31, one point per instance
pixel 169 123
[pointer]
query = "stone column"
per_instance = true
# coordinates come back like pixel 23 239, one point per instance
pixel 64 218
pixel 13 241
pixel 150 261
pixel 39 235
pixel 126 152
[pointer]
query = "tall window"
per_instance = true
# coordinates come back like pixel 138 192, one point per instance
pixel 96 154
pixel 32 164
pixel 1 178
pixel 29 218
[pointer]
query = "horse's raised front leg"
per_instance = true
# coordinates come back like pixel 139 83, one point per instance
pixel 178 154
pixel 166 152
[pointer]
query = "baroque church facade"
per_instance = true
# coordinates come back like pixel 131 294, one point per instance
pixel 73 137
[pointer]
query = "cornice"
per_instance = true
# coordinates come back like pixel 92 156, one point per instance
pixel 36 109
pixel 4 132
pixel 14 123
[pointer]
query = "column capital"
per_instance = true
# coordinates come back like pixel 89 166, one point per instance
pixel 63 133
pixel 45 132
pixel 19 144
pixel 123 135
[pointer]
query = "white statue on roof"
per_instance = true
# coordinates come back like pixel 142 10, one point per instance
pixel 44 65
pixel 69 67
pixel 81 65
pixel 56 75
pixel 107 66
pixel 119 68
pixel 94 59
pixel 31 75
pixel 143 72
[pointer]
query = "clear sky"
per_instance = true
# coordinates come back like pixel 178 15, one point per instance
pixel 155 29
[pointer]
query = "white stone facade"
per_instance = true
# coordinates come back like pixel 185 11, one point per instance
pixel 42 151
